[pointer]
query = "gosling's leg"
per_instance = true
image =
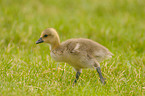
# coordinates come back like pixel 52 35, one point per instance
pixel 77 77
pixel 97 66
pixel 100 75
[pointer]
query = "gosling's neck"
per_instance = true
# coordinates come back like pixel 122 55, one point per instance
pixel 55 44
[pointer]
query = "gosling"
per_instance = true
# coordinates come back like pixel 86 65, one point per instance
pixel 79 53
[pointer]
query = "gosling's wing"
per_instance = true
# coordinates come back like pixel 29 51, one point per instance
pixel 85 46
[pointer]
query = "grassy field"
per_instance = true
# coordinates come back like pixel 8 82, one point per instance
pixel 26 69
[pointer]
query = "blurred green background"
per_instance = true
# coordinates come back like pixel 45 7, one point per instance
pixel 27 68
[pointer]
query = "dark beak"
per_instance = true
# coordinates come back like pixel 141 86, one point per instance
pixel 39 41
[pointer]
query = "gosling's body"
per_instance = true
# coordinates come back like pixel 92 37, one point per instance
pixel 79 53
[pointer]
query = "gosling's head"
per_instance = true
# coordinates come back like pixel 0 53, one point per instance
pixel 50 36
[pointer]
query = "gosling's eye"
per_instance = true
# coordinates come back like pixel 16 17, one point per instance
pixel 45 35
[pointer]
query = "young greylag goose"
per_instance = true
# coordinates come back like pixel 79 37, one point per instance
pixel 79 53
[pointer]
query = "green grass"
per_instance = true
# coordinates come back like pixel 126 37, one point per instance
pixel 27 69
